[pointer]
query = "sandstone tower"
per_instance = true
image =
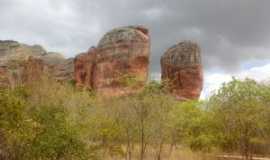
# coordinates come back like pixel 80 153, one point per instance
pixel 181 69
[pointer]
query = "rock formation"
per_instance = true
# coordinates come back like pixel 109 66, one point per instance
pixel 181 69
pixel 84 66
pixel 21 63
pixel 4 81
pixel 119 64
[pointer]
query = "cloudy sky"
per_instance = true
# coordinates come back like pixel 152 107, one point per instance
pixel 234 34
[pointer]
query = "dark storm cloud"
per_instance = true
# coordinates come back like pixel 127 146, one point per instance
pixel 230 32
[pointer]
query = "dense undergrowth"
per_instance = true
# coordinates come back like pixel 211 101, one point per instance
pixel 53 121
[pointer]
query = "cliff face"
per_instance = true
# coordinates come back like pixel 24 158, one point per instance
pixel 119 64
pixel 84 66
pixel 14 51
pixel 182 70
pixel 21 63
pixel 4 81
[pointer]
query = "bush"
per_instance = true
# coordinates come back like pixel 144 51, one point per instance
pixel 49 121
pixel 56 137
pixel 38 124
pixel 192 126
pixel 240 112
pixel 15 124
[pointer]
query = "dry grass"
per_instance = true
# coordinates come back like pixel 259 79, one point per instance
pixel 180 153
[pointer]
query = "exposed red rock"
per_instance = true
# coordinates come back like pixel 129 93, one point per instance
pixel 32 70
pixel 84 66
pixel 21 63
pixel 119 64
pixel 4 76
pixel 22 72
pixel 182 70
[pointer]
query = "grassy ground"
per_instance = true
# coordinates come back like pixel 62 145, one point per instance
pixel 179 153
pixel 234 157
pixel 182 153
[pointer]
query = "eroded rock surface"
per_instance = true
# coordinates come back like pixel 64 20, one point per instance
pixel 118 65
pixel 21 63
pixel 182 70
pixel 84 65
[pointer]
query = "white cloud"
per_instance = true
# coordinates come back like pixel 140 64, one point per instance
pixel 153 13
pixel 213 81
pixel 260 73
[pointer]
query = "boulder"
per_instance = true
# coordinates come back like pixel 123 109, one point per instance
pixel 118 65
pixel 181 70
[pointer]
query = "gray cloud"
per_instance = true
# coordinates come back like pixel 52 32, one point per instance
pixel 230 32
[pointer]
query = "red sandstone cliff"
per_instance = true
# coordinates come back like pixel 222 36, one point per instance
pixel 119 64
pixel 21 63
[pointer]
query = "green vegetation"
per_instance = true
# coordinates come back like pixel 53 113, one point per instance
pixel 241 112
pixel 53 121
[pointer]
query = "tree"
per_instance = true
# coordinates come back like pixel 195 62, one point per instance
pixel 36 124
pixel 241 112
pixel 153 114
pixel 192 125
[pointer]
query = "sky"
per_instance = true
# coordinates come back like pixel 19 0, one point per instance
pixel 234 35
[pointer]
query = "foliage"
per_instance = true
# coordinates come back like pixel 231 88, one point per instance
pixel 193 125
pixel 36 126
pixel 48 120
pixel 241 114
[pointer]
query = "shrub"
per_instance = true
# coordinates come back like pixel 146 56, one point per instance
pixel 241 115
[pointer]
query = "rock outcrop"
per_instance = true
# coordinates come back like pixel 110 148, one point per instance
pixel 84 66
pixel 182 70
pixel 21 63
pixel 118 65
pixel 4 81
pixel 15 51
